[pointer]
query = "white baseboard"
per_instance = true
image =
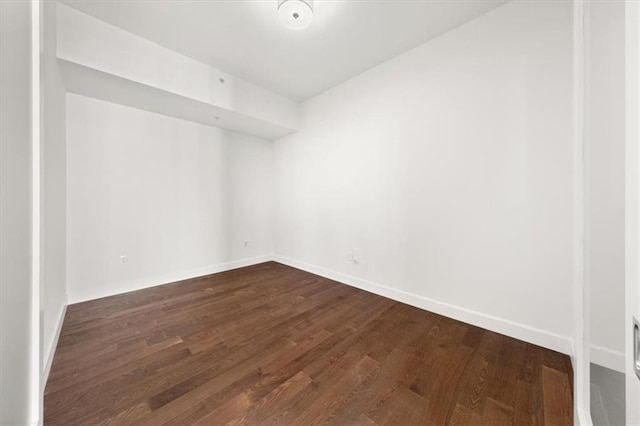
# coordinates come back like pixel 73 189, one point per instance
pixel 138 285
pixel 51 350
pixel 608 358
pixel 127 286
pixel 509 328
pixel 581 415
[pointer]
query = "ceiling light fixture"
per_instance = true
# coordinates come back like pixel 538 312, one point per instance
pixel 295 14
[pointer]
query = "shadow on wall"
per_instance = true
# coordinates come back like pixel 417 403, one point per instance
pixel 607 396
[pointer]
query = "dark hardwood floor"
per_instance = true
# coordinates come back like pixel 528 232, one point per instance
pixel 272 344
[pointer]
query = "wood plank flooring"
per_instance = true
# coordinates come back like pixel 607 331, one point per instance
pixel 272 344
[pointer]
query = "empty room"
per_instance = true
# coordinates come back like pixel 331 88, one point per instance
pixel 409 212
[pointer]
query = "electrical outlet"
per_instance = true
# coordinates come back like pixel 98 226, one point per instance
pixel 247 243
pixel 123 259
pixel 354 255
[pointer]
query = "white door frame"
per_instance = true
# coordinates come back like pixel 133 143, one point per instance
pixel 582 307
pixel 632 197
pixel 35 357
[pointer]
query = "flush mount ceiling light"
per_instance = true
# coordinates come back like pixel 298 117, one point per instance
pixel 295 14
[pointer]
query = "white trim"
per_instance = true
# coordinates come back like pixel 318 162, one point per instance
pixel 35 355
pixel 134 285
pixel 608 358
pixel 52 348
pixel 523 332
pixel 509 328
pixel 580 277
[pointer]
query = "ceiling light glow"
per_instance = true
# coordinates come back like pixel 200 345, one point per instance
pixel 295 14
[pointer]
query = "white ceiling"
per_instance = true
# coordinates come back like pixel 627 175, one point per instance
pixel 245 37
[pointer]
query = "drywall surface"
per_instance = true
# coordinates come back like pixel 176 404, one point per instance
pixel 176 198
pixel 87 41
pixel 605 208
pixel 449 169
pixel 15 212
pixel 53 137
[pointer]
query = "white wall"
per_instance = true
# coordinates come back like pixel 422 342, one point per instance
pixel 54 294
pixel 176 197
pixel 632 204
pixel 15 212
pixel 449 167
pixel 605 211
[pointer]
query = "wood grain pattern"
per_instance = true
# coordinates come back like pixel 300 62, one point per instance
pixel 272 344
pixel 557 390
